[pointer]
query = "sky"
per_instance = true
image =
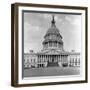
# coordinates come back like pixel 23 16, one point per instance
pixel 37 24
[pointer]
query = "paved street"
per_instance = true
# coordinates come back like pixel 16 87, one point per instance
pixel 51 71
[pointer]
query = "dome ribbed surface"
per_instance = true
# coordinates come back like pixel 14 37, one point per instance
pixel 53 38
pixel 53 30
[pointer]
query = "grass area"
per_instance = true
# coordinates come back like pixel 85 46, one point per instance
pixel 51 71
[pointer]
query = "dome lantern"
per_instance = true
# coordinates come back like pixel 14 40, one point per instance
pixel 53 21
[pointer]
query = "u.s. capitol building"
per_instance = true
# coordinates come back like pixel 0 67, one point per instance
pixel 53 53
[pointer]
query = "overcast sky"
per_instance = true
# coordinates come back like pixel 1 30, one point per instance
pixel 37 24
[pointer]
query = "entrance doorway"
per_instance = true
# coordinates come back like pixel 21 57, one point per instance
pixel 53 62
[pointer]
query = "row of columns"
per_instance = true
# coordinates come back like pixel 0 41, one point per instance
pixel 56 58
pixel 52 45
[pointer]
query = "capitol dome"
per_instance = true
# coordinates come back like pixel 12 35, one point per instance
pixel 53 39
pixel 53 29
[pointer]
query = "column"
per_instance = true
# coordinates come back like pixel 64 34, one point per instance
pixel 66 59
pixel 57 58
pixel 42 58
pixel 39 62
pixel 74 60
pixel 50 58
pixel 63 59
pixel 54 58
pixel 45 58
pixel 38 58
pixel 60 58
pixel 58 45
pixel 48 44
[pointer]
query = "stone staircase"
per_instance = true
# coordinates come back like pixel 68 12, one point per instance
pixel 52 64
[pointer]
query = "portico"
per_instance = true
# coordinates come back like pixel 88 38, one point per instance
pixel 54 59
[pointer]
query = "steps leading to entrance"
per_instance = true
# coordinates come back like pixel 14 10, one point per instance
pixel 52 64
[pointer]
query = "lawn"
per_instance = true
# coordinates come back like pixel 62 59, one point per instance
pixel 51 71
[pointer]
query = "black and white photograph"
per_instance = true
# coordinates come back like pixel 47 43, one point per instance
pixel 52 44
pixel 49 44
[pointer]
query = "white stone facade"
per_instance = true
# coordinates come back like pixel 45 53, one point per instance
pixel 41 60
pixel 74 59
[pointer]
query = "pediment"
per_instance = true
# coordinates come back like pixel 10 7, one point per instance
pixel 52 52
